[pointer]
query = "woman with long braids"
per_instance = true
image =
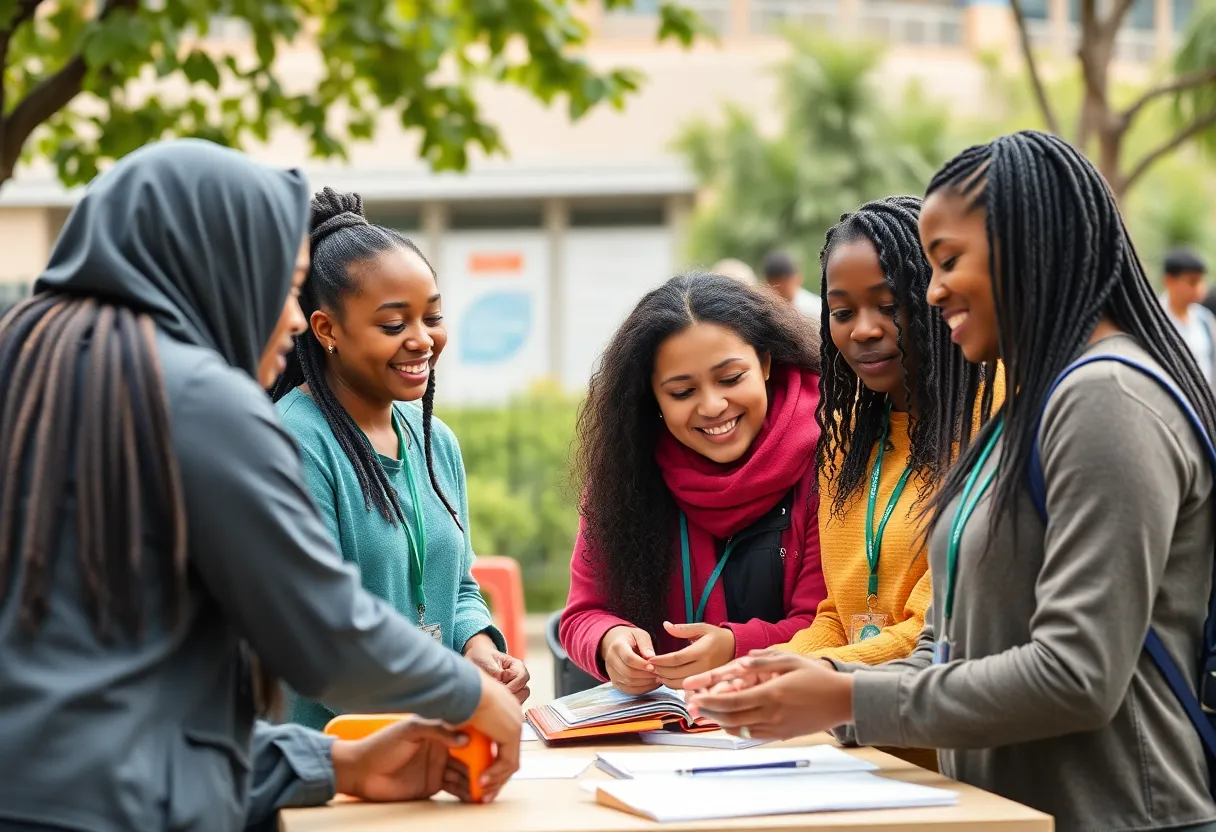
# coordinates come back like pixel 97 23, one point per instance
pixel 1034 673
pixel 386 474
pixel 696 447
pixel 155 533
pixel 895 388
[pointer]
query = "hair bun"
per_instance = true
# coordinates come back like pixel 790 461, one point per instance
pixel 331 211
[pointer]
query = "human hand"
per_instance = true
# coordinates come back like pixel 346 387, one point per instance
pixel 508 670
pixel 402 761
pixel 774 696
pixel 710 647
pixel 627 653
pixel 744 672
pixel 500 718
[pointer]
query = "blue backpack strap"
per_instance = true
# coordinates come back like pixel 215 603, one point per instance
pixel 1201 711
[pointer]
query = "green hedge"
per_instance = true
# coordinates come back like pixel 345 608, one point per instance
pixel 521 503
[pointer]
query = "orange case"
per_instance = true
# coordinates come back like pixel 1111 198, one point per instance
pixel 476 756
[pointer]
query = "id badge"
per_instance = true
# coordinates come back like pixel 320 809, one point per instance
pixel 867 625
pixel 433 631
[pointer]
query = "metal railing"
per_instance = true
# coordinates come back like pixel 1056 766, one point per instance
pixel 887 20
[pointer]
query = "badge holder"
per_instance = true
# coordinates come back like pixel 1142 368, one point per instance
pixel 868 624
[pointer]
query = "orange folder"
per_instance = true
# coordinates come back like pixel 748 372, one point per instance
pixel 476 755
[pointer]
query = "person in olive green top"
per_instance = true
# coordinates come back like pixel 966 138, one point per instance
pixel 388 477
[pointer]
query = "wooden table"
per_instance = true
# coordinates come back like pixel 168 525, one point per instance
pixel 563 806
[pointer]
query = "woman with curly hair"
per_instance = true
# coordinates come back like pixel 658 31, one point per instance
pixel 699 538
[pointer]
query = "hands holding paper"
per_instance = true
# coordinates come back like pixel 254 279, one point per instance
pixel 774 695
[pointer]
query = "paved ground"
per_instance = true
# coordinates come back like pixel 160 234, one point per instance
pixel 539 661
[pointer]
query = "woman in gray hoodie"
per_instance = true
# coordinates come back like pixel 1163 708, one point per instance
pixel 163 565
pixel 1034 674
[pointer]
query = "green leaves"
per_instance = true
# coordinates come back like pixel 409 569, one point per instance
pixel 420 61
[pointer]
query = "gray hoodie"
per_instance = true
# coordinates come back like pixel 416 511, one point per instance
pixel 154 733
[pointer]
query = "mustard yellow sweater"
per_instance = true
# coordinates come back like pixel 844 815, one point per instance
pixel 904 586
pixel 903 574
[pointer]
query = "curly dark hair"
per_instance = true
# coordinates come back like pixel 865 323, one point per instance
pixel 941 390
pixel 628 513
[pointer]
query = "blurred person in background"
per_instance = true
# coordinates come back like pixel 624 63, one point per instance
pixel 784 277
pixel 737 269
pixel 1185 289
pixel 165 565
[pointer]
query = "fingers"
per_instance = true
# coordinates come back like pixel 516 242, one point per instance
pixel 687 631
pixel 416 729
pixel 625 654
pixel 680 658
pixel 456 781
pixel 704 681
pixel 776 662
pixel 643 644
pixel 731 702
pixel 506 763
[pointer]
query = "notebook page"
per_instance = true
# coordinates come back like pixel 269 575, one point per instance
pixel 606 702
pixel 824 759
pixel 668 800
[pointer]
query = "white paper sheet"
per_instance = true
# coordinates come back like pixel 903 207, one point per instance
pixel 529 734
pixel 668 800
pixel 550 767
pixel 824 759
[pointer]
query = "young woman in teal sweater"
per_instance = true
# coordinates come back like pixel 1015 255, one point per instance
pixel 387 476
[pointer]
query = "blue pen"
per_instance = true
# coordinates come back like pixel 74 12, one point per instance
pixel 756 767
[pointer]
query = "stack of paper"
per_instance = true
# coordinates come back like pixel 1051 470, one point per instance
pixel 666 800
pixel 822 759
pixel 712 739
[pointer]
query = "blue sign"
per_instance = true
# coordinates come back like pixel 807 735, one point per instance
pixel 495 327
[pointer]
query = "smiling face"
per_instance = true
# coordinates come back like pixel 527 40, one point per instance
pixel 291 323
pixel 389 332
pixel 710 386
pixel 955 239
pixel 862 319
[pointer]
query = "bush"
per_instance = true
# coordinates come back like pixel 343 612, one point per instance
pixel 521 504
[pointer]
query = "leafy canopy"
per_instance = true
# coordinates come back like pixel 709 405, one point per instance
pixel 80 69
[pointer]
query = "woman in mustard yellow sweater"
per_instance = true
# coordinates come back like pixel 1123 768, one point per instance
pixel 891 380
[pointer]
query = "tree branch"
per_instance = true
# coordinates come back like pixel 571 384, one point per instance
pixel 1182 137
pixel 1178 84
pixel 1113 23
pixel 1040 92
pixel 25 11
pixel 48 97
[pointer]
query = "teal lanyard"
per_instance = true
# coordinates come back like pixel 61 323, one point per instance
pixel 418 542
pixel 713 577
pixel 971 496
pixel 874 536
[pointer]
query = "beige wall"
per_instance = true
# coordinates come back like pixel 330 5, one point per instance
pixel 25 242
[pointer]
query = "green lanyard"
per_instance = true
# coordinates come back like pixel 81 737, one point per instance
pixel 713 577
pixel 971 496
pixel 874 536
pixel 417 543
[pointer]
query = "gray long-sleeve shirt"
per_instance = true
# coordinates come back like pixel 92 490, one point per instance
pixel 155 733
pixel 1050 699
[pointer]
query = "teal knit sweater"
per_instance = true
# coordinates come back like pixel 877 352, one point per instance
pixel 381 549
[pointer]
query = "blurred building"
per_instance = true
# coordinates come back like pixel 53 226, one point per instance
pixel 541 254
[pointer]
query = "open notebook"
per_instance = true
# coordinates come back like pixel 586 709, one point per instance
pixel 604 710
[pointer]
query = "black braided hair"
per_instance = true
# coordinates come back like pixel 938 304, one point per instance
pixel 1060 259
pixel 940 392
pixel 628 512
pixel 339 238
pixel 62 356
